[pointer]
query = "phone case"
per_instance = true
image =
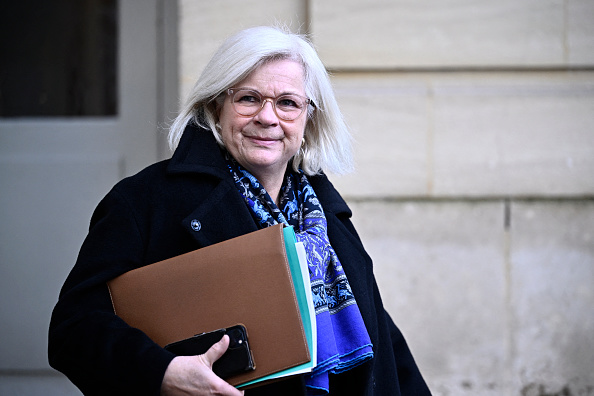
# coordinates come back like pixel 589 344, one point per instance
pixel 237 359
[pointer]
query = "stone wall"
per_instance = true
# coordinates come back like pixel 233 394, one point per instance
pixel 474 189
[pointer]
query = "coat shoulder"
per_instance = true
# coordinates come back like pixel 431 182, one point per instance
pixel 330 198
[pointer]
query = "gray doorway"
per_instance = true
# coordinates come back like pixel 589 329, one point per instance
pixel 53 172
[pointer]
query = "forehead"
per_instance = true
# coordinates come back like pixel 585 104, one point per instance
pixel 276 77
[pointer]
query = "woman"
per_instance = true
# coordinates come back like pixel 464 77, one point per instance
pixel 251 144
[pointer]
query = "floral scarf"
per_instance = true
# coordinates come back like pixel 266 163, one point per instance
pixel 343 341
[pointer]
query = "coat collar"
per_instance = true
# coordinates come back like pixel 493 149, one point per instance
pixel 199 152
pixel 331 200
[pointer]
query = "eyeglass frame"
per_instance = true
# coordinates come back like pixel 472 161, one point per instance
pixel 232 91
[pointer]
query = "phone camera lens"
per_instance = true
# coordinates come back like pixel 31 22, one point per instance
pixel 234 338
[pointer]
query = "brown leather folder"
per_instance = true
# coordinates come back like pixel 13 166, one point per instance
pixel 243 280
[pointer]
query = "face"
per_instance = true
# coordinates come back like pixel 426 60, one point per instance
pixel 263 143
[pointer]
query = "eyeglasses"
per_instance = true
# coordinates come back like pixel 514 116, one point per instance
pixel 287 107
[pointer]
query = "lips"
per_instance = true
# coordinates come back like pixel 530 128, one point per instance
pixel 262 140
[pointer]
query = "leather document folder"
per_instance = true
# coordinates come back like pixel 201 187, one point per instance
pixel 243 280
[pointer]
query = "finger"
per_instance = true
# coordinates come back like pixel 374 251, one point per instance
pixel 217 350
pixel 190 375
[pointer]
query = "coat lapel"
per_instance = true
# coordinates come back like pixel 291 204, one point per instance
pixel 198 153
pixel 209 222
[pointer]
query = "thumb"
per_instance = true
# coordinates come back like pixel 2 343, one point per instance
pixel 216 351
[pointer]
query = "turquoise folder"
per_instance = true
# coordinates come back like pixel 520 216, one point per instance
pixel 300 275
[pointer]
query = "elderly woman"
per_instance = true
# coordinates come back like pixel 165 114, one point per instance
pixel 251 145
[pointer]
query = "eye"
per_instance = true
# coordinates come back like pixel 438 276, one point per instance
pixel 289 102
pixel 244 97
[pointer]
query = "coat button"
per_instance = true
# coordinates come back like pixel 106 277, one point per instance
pixel 195 224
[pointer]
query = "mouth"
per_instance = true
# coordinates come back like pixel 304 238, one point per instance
pixel 262 141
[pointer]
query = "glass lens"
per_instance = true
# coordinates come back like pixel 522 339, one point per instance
pixel 247 102
pixel 289 107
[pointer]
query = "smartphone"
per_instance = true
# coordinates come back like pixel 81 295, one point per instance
pixel 238 358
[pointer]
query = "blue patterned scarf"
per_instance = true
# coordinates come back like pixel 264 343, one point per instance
pixel 343 341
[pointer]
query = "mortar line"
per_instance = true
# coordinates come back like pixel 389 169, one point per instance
pixel 530 69
pixel 510 352
pixel 429 145
pixel 463 198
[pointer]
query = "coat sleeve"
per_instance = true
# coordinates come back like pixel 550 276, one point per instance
pixel 93 347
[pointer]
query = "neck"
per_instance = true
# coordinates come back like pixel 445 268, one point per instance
pixel 271 179
pixel 272 184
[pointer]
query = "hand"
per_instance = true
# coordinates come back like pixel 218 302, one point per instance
pixel 193 375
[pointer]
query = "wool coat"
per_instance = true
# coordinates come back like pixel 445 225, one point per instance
pixel 175 206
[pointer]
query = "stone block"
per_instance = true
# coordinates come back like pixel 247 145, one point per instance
pixel 552 257
pixel 388 34
pixel 580 32
pixel 514 134
pixel 469 134
pixel 205 25
pixel 440 269
pixel 388 119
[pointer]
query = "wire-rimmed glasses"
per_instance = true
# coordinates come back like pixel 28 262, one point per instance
pixel 248 102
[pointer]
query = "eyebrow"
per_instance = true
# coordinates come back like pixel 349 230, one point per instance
pixel 281 94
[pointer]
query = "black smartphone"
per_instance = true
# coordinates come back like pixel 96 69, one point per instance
pixel 238 358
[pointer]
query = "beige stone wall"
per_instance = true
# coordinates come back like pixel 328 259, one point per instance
pixel 474 189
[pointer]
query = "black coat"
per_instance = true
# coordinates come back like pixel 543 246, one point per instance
pixel 147 218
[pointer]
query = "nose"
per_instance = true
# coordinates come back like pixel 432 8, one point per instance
pixel 267 116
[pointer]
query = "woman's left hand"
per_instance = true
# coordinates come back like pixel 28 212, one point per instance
pixel 193 375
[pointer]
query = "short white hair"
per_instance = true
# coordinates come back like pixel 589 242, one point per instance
pixel 327 141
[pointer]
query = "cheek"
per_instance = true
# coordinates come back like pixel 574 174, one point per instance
pixel 295 138
pixel 228 124
pixel 298 133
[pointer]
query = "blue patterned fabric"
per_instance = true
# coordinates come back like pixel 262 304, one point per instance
pixel 343 341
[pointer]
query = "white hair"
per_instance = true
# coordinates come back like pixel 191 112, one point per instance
pixel 327 141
